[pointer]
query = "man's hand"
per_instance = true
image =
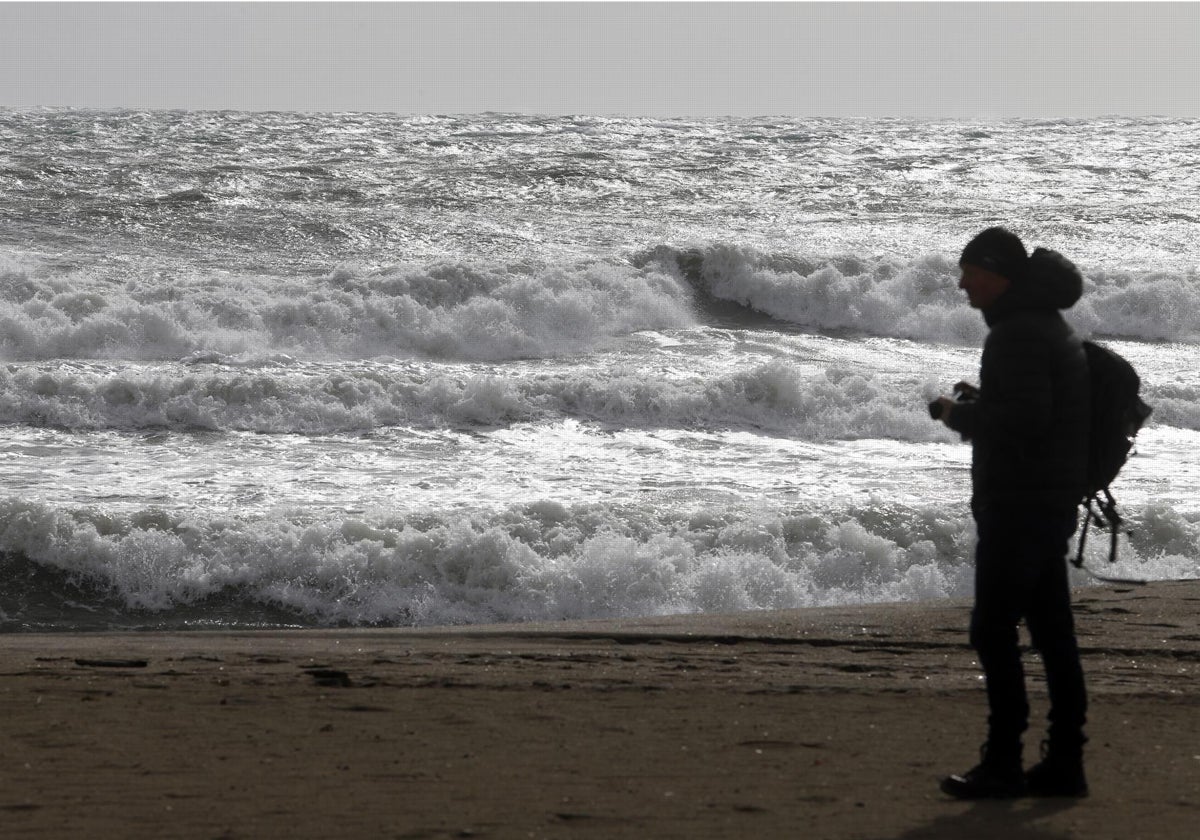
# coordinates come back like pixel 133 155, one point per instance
pixel 966 392
pixel 947 405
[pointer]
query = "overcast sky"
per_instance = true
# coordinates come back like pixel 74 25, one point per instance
pixel 925 60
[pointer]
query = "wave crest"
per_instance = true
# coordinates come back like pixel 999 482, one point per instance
pixel 495 312
pixel 917 300
pixel 536 561
pixel 443 311
pixel 288 397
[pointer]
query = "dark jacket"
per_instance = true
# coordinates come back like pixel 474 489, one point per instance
pixel 1029 427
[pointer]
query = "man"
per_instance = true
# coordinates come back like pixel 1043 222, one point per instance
pixel 1028 427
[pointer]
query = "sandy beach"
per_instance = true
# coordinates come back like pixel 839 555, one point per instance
pixel 823 723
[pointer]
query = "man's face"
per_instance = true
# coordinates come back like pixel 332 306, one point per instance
pixel 983 287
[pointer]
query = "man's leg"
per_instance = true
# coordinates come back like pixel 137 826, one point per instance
pixel 1001 585
pixel 1052 628
pixel 1001 594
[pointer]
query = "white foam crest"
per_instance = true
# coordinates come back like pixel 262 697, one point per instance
pixel 1160 543
pixel 920 300
pixel 1174 405
pixel 441 311
pixel 777 396
pixel 1153 306
pixel 540 561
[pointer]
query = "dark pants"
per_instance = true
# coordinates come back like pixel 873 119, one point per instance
pixel 1021 572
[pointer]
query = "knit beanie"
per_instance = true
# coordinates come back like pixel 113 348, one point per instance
pixel 997 249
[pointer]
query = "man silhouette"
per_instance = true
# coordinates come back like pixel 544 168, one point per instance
pixel 1028 427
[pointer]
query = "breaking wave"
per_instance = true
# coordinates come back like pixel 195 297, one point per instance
pixel 536 561
pixel 451 311
pixel 777 397
pixel 918 299
pixel 494 312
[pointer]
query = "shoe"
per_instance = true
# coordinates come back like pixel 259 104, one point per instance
pixel 1059 773
pixel 997 776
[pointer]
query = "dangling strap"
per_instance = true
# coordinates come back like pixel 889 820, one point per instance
pixel 1087 521
pixel 1109 507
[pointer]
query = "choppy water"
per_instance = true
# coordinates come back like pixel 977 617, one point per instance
pixel 312 369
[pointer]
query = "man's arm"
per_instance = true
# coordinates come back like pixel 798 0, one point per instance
pixel 1017 397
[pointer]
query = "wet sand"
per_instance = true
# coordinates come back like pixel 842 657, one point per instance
pixel 826 723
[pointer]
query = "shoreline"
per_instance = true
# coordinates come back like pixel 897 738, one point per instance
pixel 832 721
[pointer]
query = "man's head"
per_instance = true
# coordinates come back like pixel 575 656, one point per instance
pixel 990 264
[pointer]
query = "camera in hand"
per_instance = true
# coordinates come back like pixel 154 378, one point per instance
pixel 964 392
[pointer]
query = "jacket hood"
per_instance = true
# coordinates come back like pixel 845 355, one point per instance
pixel 1049 282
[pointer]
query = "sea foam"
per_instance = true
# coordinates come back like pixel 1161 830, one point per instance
pixel 780 396
pixel 538 560
pixel 453 311
pixel 919 299
pixel 532 561
pixel 463 311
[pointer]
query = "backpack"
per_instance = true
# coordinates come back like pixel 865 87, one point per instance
pixel 1117 414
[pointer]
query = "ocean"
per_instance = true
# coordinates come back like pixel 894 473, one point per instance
pixel 302 370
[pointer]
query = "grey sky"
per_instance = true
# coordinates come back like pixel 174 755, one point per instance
pixel 656 59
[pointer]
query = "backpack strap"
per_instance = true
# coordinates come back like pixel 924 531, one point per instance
pixel 1112 520
pixel 1109 508
pixel 1088 513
